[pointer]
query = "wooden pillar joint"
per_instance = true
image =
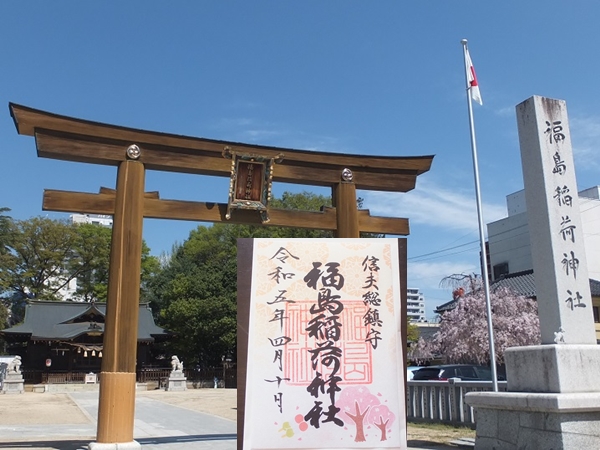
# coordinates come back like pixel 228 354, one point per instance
pixel 344 198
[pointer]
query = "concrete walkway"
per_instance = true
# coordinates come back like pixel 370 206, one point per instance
pixel 159 425
pixel 195 419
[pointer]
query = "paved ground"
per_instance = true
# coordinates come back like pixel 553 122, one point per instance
pixel 194 419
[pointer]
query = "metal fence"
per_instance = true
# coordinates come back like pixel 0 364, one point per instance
pixel 42 376
pixel 199 378
pixel 444 401
pixel 32 376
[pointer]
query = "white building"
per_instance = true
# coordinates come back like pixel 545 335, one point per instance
pixel 96 219
pixel 508 238
pixel 67 292
pixel 415 305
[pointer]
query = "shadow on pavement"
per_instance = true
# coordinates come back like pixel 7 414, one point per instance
pixel 187 438
pixel 420 444
pixel 49 444
pixel 83 444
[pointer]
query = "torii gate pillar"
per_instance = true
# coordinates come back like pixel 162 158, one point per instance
pixel 116 409
pixel 344 200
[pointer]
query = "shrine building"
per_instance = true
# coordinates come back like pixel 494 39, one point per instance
pixel 67 337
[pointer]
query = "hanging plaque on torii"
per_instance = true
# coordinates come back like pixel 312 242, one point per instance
pixel 251 181
pixel 133 152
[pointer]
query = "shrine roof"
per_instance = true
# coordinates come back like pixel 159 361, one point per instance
pixel 46 320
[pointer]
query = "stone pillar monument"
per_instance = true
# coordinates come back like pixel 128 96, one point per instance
pixel 553 393
pixel 177 380
pixel 13 383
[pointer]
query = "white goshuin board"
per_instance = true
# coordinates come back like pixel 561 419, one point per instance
pixel 325 356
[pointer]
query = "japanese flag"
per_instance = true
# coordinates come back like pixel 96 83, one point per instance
pixel 472 78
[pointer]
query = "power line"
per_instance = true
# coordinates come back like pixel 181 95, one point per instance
pixel 448 254
pixel 443 250
pixel 438 252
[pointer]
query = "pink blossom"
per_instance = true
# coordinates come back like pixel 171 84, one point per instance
pixel 463 335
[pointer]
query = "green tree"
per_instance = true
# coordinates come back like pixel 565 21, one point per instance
pixel 42 256
pixel 4 248
pixel 4 230
pixel 92 261
pixel 412 331
pixel 37 262
pixel 195 293
pixel 150 268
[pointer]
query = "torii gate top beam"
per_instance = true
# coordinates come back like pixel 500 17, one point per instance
pixel 71 139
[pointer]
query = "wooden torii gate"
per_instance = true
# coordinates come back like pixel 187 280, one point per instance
pixel 133 152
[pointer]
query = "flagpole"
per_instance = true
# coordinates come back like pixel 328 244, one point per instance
pixel 486 283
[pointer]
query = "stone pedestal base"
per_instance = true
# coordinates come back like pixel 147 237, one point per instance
pixel 553 368
pixel 177 381
pixel 13 384
pixel 516 420
pixel 552 401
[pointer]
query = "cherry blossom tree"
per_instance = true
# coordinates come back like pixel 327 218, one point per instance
pixel 364 409
pixel 354 403
pixel 463 335
pixel 382 418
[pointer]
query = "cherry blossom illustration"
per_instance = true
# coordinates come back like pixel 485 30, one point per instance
pixel 364 409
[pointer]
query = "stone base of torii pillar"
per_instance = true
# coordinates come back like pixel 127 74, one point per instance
pixel 552 400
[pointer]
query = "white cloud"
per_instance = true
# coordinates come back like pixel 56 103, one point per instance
pixel 429 274
pixel 507 111
pixel 247 129
pixel 426 276
pixel 432 205
pixel 232 123
pixel 241 104
pixel 260 134
pixel 251 130
pixel 448 211
pixel 586 135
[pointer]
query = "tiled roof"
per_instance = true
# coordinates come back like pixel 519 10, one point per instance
pixel 448 306
pixel 68 320
pixel 595 288
pixel 523 283
pixel 520 282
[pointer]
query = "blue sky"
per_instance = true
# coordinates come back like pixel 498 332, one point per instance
pixel 376 78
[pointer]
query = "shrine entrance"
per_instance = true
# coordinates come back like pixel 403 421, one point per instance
pixel 251 169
